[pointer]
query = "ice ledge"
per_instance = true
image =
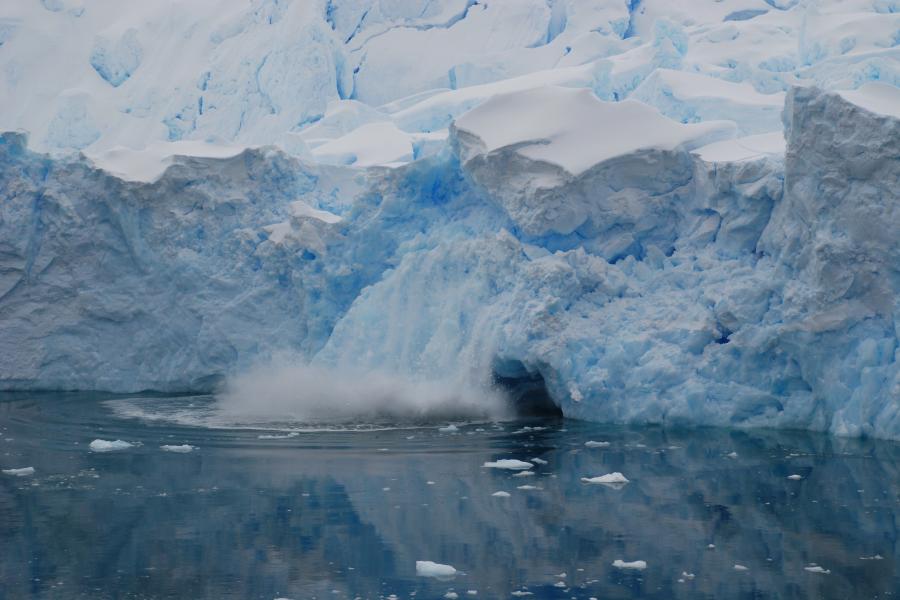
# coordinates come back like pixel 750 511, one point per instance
pixel 574 130
pixel 875 97
pixel 149 164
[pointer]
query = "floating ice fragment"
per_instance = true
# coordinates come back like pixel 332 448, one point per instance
pixel 687 575
pixel 508 463
pixel 538 461
pixel 277 436
pixel 108 446
pixel 560 584
pixel 635 564
pixel 611 479
pixel 451 595
pixel 711 546
pixel 427 568
pixel 448 429
pixel 738 567
pixel 528 430
pixel 183 448
pixel 732 455
pixel 875 557
pixel 528 487
pixel 817 569
pixel 593 444
pixel 524 474
pixel 795 477
pixel 500 494
pixel 520 593
pixel 23 472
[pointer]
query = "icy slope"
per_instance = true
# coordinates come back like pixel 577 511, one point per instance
pixel 302 74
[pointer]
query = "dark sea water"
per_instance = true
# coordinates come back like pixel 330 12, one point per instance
pixel 338 514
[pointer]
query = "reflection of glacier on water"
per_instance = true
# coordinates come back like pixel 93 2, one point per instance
pixel 300 515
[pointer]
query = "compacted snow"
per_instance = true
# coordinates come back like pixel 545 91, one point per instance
pixel 675 213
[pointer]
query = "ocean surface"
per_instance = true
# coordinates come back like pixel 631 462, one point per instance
pixel 287 510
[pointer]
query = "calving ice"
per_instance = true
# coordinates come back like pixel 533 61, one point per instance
pixel 648 213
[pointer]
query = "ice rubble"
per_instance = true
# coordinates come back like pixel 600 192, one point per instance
pixel 596 196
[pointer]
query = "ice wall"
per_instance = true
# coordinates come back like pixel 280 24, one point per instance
pixel 731 284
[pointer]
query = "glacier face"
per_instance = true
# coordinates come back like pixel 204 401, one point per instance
pixel 753 292
pixel 646 204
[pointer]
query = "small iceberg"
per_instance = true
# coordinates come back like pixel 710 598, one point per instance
pixel 817 569
pixel 508 463
pixel 23 472
pixel 108 446
pixel 183 448
pixel 500 494
pixel 795 477
pixel 616 480
pixel 635 564
pixel 593 444
pixel 426 568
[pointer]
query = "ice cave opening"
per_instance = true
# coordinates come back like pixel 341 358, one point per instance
pixel 526 390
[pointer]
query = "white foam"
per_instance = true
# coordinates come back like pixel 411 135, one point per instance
pixel 294 392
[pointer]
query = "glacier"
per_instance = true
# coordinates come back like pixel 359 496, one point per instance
pixel 666 214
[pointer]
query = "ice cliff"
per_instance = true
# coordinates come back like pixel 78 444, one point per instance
pixel 660 217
